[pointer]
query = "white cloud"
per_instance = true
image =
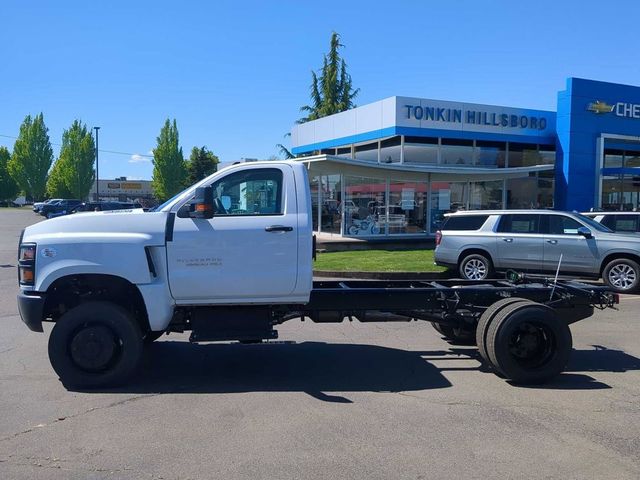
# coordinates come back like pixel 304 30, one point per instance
pixel 137 158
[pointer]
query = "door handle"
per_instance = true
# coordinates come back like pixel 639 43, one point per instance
pixel 278 228
pixel 552 242
pixel 508 240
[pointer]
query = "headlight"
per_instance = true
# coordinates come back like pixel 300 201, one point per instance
pixel 27 263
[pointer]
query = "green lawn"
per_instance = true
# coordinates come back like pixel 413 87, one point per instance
pixel 378 261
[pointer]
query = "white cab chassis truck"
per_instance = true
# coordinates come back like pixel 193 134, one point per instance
pixel 230 258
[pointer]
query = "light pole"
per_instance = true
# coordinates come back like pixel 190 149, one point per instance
pixel 97 174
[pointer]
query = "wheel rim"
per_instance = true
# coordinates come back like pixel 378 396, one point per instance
pixel 532 345
pixel 94 348
pixel 622 276
pixel 475 269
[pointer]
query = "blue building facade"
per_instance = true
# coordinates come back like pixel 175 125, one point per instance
pixel 598 146
pixel 395 166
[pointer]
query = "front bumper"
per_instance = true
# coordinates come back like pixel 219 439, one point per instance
pixel 31 307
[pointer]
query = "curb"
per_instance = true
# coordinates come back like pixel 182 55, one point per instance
pixel 384 275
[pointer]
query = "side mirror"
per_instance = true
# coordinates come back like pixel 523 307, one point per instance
pixel 585 232
pixel 202 203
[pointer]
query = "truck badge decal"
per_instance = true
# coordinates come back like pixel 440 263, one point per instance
pixel 200 262
pixel 49 252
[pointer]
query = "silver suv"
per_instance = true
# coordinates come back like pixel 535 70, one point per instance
pixel 478 243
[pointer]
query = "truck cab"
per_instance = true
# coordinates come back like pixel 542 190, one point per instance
pixel 253 249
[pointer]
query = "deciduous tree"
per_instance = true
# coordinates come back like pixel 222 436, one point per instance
pixel 32 157
pixel 8 186
pixel 56 185
pixel 77 156
pixel 169 167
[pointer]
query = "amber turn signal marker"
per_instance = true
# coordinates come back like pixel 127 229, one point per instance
pixel 26 275
pixel 203 207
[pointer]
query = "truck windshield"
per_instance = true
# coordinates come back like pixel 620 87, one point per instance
pixel 162 205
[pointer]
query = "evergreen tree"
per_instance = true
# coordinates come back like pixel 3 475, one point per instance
pixel 77 156
pixel 332 91
pixel 32 157
pixel 8 187
pixel 169 168
pixel 56 185
pixel 202 163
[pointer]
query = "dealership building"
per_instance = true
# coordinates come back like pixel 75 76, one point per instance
pixel 396 166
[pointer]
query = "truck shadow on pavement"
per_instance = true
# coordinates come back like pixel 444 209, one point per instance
pixel 311 367
pixel 317 368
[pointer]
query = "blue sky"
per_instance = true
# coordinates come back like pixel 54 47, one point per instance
pixel 234 74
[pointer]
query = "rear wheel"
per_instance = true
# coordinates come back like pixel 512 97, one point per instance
pixel 475 267
pixel 95 344
pixel 622 275
pixel 527 343
pixel 485 320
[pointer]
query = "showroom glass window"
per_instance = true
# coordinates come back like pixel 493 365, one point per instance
pixel 524 155
pixel 364 202
pixel 330 208
pixel 485 195
pixel 457 152
pixel 420 150
pixel 490 154
pixel 367 152
pixel 390 150
pixel 407 208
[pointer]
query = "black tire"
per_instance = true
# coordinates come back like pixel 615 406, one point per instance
pixel 95 344
pixel 622 275
pixel 485 320
pixel 455 335
pixel 152 336
pixel 475 267
pixel 442 329
pixel 528 344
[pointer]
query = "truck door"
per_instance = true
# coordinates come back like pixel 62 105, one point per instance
pixel 248 250
pixel 519 242
pixel 578 253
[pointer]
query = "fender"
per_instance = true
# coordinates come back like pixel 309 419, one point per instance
pixel 125 258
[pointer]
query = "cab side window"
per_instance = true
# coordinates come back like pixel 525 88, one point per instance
pixel 249 192
pixel 561 225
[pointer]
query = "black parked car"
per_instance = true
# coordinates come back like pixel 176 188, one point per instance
pixel 87 207
pixel 50 210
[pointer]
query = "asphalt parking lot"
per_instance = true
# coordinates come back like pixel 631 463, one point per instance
pixel 327 401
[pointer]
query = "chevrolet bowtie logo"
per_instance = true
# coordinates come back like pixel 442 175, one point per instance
pixel 600 107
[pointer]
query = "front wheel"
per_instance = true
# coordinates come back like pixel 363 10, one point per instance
pixel 475 267
pixel 622 275
pixel 95 344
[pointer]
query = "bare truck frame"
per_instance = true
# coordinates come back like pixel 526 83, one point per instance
pixel 521 326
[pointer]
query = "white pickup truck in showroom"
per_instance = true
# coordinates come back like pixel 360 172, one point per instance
pixel 230 258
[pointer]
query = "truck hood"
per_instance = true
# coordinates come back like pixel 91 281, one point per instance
pixel 114 226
